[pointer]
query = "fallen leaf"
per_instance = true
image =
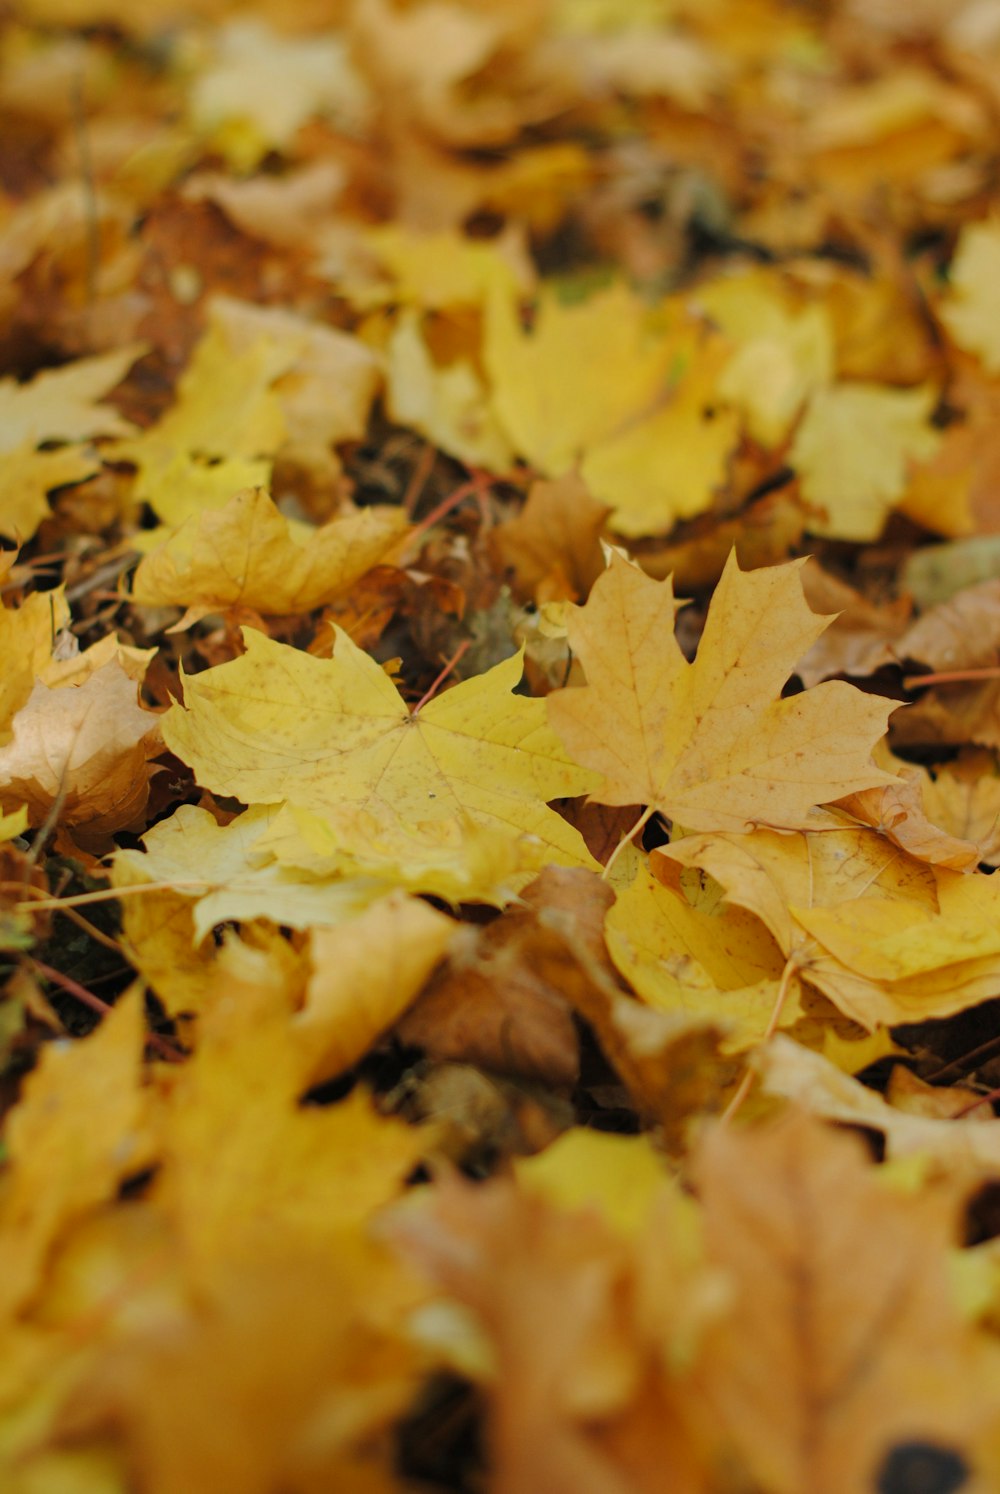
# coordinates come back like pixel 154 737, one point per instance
pixel 244 1165
pixel 455 859
pixel 219 870
pixel 709 743
pixel 581 1406
pixel 492 1005
pixel 777 877
pixel 851 452
pixel 901 812
pixel 446 403
pixel 617 1175
pixel 84 747
pixel 782 355
pixel 362 978
pixel 843 1339
pixel 60 1168
pixel 809 1080
pixel 282 210
pixel 246 554
pixel 551 388
pixel 552 546
pixel 198 1407
pixel 963 797
pixel 61 404
pixel 277 724
pixel 684 949
pixel 971 308
pixel 260 87
pixel 861 636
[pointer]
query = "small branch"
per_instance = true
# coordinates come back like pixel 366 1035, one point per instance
pixel 422 469
pixel 952 677
pixel 987 1099
pixel 163 1046
pixel 441 677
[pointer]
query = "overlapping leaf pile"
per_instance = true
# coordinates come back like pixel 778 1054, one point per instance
pixel 499 715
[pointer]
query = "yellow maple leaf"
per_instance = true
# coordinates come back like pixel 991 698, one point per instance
pixel 818 1085
pixel 782 355
pixel 59 1168
pixel 667 464
pixel 900 942
pixel 259 381
pixel 219 869
pixel 577 377
pixel 260 87
pixel 287 1372
pixel 438 270
pixel 851 453
pixel 619 1174
pixel 235 1172
pixel 278 725
pixel 456 859
pixel 885 937
pixel 362 978
pixel 448 404
pixel 27 636
pixel 247 554
pixel 902 811
pixel 61 404
pixel 183 487
pixel 710 744
pixel 623 392
pixel 971 310
pixel 683 949
pixel 329 379
pixel 225 406
pixel 84 745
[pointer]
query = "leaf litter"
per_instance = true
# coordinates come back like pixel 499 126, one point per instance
pixel 499 719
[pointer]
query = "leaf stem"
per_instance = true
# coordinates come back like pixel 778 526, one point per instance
pixel 736 1103
pixel 105 895
pixel 644 818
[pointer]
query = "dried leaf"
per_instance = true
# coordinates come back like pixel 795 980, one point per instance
pixel 843 1339
pixel 709 743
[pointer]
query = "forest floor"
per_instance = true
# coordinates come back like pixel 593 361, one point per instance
pixel 499 714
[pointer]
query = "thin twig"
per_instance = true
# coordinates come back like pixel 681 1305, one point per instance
pixel 440 678
pixel 163 1046
pixel 952 677
pixel 92 930
pixel 422 469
